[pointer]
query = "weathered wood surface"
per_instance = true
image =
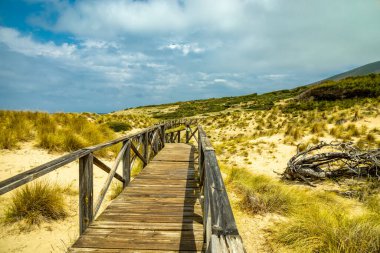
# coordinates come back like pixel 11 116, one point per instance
pixel 220 230
pixel 158 211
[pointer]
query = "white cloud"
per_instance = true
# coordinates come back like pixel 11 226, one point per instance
pixel 105 19
pixel 220 80
pixel 185 48
pixel 98 44
pixel 26 45
pixel 116 66
pixel 246 34
pixel 274 76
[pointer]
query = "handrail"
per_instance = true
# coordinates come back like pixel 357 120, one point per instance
pixel 27 176
pixel 220 230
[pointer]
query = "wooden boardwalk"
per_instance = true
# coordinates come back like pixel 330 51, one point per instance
pixel 158 211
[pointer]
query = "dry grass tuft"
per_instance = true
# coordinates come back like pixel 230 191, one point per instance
pixel 36 202
pixel 316 221
pixel 321 227
pixel 116 189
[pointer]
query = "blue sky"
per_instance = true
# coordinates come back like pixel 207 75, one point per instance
pixel 101 56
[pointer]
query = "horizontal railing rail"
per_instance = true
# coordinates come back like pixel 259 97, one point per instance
pixel 220 230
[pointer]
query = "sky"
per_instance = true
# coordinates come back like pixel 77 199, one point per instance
pixel 102 56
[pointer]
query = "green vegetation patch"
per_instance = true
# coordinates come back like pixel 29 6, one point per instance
pixel 251 102
pixel 344 93
pixel 119 126
pixel 351 87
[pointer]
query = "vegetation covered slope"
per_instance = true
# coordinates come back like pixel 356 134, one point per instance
pixel 64 131
pixel 345 93
pixel 371 68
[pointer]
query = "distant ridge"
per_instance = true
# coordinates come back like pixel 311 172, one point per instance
pixel 367 69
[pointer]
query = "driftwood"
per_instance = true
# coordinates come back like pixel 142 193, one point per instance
pixel 332 160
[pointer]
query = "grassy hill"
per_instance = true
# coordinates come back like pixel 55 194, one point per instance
pixel 371 68
pixel 345 93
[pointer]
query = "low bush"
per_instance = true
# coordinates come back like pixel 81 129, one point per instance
pixel 36 202
pixel 119 126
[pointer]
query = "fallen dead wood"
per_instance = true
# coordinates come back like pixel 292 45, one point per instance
pixel 332 160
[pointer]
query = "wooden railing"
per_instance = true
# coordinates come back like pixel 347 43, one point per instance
pixel 220 231
pixel 142 145
pixel 219 226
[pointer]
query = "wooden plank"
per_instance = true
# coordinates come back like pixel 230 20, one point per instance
pixel 137 234
pixel 149 218
pixel 145 145
pixel 143 244
pixel 127 164
pixel 193 134
pixel 106 185
pixel 85 250
pixel 155 208
pixel 137 153
pixel 32 174
pixel 105 168
pixel 156 226
pixel 85 192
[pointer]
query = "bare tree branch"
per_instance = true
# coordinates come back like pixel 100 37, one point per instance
pixel 332 160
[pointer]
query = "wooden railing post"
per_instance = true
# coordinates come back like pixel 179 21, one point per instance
pixel 85 192
pixel 179 136
pixel 200 160
pixel 145 143
pixel 163 135
pixel 127 164
pixel 187 133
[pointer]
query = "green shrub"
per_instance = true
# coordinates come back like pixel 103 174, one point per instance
pixel 119 126
pixel 36 202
